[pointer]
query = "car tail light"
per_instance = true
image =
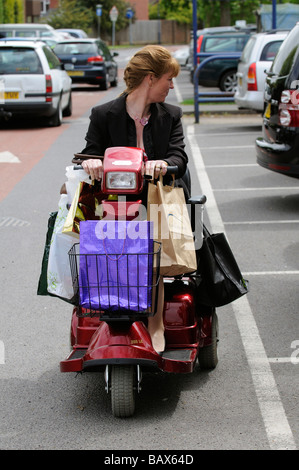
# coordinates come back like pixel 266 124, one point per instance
pixel 199 41
pixel 289 108
pixel 49 89
pixel 251 78
pixel 95 60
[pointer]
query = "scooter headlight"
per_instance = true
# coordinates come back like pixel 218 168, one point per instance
pixel 121 180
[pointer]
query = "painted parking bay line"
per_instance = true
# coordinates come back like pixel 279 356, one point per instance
pixel 8 157
pixel 276 424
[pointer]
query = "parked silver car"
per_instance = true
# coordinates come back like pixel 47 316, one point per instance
pixel 33 82
pixel 257 57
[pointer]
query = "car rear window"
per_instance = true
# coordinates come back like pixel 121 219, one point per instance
pixel 26 33
pixel 270 50
pixel 225 44
pixel 19 61
pixel 248 49
pixel 75 48
pixel 287 53
pixel 53 61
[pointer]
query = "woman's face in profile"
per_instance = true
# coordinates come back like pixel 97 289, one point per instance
pixel 160 88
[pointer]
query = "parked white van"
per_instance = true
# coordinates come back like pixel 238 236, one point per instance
pixel 29 30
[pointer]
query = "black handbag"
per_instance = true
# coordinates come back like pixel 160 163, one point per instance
pixel 221 281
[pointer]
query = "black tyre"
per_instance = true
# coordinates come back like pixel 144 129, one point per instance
pixel 123 391
pixel 114 82
pixel 69 109
pixel 104 85
pixel 228 81
pixel 208 356
pixel 56 119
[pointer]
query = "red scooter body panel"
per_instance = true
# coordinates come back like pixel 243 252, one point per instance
pixel 122 160
pixel 97 343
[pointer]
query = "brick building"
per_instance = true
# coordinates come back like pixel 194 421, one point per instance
pixel 141 8
pixel 34 9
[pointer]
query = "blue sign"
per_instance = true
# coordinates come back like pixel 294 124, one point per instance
pixel 99 11
pixel 129 13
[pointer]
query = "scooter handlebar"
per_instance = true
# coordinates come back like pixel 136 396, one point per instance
pixel 171 170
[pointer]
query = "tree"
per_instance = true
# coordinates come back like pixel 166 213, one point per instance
pixel 226 12
pixel 71 14
pixel 177 10
pixel 12 11
pixel 122 21
pixel 210 12
pixel 1 11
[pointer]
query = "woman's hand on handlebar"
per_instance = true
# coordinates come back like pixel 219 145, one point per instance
pixel 94 168
pixel 154 167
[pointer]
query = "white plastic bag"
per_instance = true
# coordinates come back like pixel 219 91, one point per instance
pixel 59 274
pixel 73 179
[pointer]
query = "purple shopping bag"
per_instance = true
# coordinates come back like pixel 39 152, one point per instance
pixel 116 265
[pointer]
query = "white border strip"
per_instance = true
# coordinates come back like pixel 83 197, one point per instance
pixel 279 433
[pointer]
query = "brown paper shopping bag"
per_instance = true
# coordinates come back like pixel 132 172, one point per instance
pixel 168 210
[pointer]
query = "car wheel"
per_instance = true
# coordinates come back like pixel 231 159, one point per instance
pixel 208 355
pixel 115 81
pixel 56 119
pixel 69 109
pixel 228 81
pixel 105 83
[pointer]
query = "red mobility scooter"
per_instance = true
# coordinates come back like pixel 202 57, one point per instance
pixel 116 341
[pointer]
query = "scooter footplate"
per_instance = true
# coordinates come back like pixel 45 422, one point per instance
pixel 179 360
pixel 178 354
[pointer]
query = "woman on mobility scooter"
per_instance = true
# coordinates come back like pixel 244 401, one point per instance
pixel 141 118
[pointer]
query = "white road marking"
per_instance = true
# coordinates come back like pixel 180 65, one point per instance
pixel 262 222
pixel 8 157
pixel 270 273
pixel 225 147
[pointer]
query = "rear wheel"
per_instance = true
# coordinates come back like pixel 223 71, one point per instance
pixel 69 109
pixel 56 119
pixel 228 81
pixel 208 355
pixel 104 85
pixel 123 391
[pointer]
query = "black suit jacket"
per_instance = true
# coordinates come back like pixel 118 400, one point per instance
pixel 109 128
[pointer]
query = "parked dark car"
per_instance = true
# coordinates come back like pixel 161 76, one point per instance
pixel 278 149
pixel 88 61
pixel 220 73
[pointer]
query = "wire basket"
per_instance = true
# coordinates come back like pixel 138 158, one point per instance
pixel 116 286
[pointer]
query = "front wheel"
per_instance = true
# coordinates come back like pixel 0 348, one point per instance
pixel 123 391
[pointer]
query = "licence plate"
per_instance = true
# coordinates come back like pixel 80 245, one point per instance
pixel 9 95
pixel 75 73
pixel 268 111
